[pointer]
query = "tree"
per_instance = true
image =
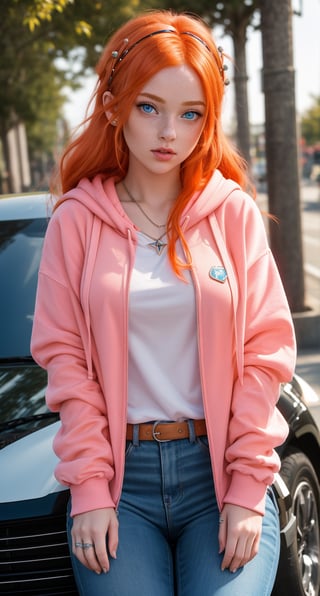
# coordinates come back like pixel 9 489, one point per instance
pixel 28 77
pixel 47 129
pixel 282 147
pixel 33 35
pixel 83 24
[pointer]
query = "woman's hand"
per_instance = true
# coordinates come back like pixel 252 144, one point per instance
pixel 239 536
pixel 91 529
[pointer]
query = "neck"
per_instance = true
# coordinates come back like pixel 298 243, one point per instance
pixel 158 192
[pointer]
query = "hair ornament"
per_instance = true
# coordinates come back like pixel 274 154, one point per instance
pixel 197 38
pixel 120 55
pixel 224 67
pixel 117 57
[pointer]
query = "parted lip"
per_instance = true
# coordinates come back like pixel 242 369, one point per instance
pixel 164 150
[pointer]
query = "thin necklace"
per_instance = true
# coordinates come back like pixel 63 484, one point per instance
pixel 141 209
pixel 157 245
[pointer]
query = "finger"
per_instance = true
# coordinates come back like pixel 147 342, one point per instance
pixel 101 554
pixel 80 552
pixel 101 544
pixel 222 536
pixel 113 537
pixel 254 548
pixel 239 557
pixel 251 548
pixel 229 552
pixel 96 553
pixel 246 549
pixel 227 559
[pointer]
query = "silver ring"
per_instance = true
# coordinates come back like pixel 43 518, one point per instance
pixel 84 545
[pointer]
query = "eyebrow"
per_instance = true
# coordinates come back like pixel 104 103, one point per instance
pixel 161 100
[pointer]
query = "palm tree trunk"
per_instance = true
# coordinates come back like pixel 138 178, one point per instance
pixel 241 91
pixel 282 147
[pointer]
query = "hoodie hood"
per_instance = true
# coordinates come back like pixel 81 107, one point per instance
pixel 100 197
pixel 203 204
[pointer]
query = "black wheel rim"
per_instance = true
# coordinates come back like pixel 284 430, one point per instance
pixel 306 512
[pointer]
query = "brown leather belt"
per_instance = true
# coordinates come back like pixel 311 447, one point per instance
pixel 166 431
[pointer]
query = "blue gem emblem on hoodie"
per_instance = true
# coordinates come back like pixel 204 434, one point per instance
pixel 218 274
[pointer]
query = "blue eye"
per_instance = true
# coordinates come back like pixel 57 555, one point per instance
pixel 192 115
pixel 147 108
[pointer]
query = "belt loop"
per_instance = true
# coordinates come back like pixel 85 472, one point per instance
pixel 192 433
pixel 135 435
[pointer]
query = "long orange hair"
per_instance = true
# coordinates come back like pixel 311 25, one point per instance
pixel 101 149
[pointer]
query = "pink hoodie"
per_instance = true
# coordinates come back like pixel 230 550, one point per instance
pixel 245 336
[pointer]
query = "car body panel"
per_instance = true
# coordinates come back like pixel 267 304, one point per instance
pixel 27 467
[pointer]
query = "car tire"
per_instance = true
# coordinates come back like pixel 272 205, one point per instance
pixel 299 571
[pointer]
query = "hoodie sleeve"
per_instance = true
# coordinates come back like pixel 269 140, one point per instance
pixel 59 338
pixel 268 344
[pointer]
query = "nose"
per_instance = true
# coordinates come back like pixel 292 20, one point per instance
pixel 168 131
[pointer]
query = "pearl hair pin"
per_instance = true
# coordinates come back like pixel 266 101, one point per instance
pixel 119 55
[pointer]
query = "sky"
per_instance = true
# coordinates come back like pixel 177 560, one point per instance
pixel 306 42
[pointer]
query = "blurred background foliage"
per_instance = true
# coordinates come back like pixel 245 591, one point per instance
pixel 44 46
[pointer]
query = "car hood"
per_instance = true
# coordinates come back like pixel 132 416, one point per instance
pixel 22 399
pixel 27 466
pixel 27 429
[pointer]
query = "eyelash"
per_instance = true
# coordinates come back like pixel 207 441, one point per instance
pixel 195 113
pixel 142 105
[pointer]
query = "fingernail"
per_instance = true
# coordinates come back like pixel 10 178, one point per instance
pixel 114 554
pixel 97 572
pixel 105 570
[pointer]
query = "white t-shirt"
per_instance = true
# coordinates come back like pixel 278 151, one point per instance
pixel 163 375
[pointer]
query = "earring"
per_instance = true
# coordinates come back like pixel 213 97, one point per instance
pixel 114 122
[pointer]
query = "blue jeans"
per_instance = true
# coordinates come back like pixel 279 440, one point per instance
pixel 168 530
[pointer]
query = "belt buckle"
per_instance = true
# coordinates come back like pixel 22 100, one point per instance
pixel 155 433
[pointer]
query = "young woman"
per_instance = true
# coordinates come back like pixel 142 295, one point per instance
pixel 165 331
